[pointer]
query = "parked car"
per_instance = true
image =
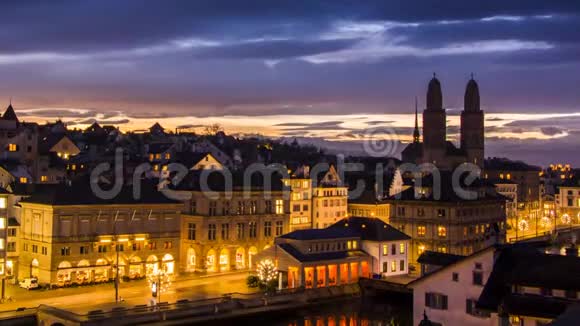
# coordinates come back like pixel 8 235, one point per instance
pixel 29 283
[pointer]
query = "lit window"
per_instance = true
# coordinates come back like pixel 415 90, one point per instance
pixel 349 245
pixel 164 168
pixel 385 250
pixel 508 176
pixel 3 202
pixel 421 230
pixel 151 157
pixel 354 245
pixel 74 167
pixel 402 248
pixel 421 249
pixel 279 206
pixel 393 266
pixel 155 167
pixel 167 156
pixel 12 147
pixel 1 244
pixel 157 156
pixel 442 231
pixel 501 175
pixel 2 223
pixel 43 178
pixel 23 179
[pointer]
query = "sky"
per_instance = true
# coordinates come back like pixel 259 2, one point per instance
pixel 328 72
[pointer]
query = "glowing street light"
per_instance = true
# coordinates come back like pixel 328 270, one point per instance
pixel 159 282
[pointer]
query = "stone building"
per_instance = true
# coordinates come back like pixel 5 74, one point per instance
pixel 317 200
pixel 69 235
pixel 438 219
pixel 223 229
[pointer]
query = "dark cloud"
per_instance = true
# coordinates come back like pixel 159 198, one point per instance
pixel 277 49
pixel 552 131
pixel 99 121
pixel 378 122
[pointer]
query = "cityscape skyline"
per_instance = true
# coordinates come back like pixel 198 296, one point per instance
pixel 228 63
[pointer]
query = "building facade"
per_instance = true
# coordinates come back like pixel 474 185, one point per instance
pixel 68 236
pixel 448 223
pixel 448 296
pixel 387 246
pixel 313 258
pixel 316 201
pixel 224 234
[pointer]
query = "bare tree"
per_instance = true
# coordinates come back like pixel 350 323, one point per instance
pixel 212 129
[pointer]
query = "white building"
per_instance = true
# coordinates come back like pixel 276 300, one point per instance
pixel 387 246
pixel 449 294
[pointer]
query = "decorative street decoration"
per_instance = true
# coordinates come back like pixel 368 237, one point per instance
pixel 566 219
pixel 267 271
pixel 546 222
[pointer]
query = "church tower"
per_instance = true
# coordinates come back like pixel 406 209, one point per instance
pixel 434 125
pixel 416 133
pixel 472 127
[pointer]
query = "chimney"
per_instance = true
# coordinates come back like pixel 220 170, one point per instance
pixel 572 251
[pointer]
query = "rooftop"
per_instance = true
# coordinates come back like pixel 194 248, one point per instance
pixel 368 228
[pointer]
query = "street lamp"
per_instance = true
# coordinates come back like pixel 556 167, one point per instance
pixel 159 281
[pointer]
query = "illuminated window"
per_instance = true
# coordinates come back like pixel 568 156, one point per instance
pixel 167 156
pixel 151 157
pixel 279 206
pixel 349 245
pixel 442 249
pixel 385 250
pixel 501 175
pixel 442 231
pixel 354 245
pixel 421 249
pixel 1 244
pixel 43 178
pixel 2 223
pixel 508 176
pixel 23 179
pixel 155 167
pixel 421 230
pixel 73 167
pixel 3 202
pixel 164 168
pixel 158 156
pixel 12 147
pixel 393 266
pixel 402 248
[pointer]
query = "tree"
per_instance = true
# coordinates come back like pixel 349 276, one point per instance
pixel 212 129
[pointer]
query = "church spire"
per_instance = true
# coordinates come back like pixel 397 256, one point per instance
pixel 416 134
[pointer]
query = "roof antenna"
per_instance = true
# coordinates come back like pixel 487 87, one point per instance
pixel 471 76
pixel 434 75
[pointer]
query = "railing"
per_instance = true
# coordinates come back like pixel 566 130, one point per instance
pixel 202 308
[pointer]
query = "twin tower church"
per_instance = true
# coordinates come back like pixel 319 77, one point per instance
pixel 435 148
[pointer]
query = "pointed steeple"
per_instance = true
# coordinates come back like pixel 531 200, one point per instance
pixel 471 99
pixel 9 114
pixel 416 134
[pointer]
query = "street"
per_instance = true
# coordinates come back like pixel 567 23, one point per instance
pixel 84 299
